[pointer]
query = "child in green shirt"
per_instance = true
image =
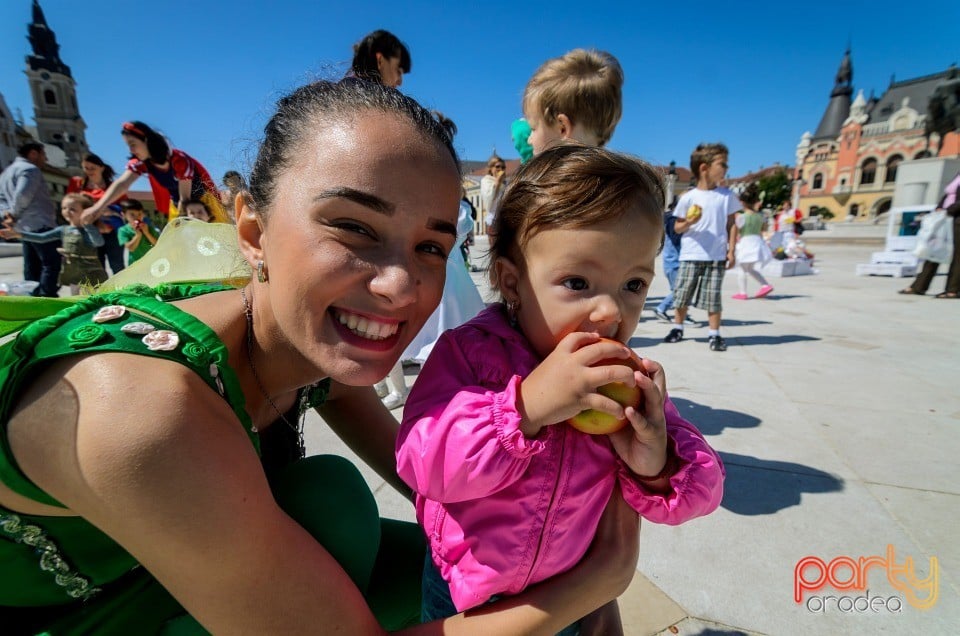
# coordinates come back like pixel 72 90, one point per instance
pixel 137 235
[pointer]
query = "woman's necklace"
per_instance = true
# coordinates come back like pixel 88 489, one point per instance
pixel 248 312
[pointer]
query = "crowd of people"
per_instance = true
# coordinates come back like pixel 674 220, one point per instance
pixel 197 510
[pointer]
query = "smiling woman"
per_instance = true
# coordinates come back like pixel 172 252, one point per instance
pixel 198 510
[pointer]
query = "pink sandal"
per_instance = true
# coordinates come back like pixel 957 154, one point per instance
pixel 766 289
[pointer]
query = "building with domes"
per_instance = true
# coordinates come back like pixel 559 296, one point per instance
pixel 848 166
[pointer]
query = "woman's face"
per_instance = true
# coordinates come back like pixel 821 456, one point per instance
pixel 355 243
pixel 138 148
pixel 390 72
pixel 92 171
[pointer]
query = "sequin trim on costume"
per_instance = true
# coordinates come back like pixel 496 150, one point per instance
pixel 75 585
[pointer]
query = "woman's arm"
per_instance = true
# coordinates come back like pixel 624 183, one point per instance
pixel 180 487
pixel 185 187
pixel 601 576
pixel 116 190
pixel 92 235
pixel 360 419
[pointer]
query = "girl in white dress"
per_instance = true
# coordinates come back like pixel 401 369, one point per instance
pixel 751 251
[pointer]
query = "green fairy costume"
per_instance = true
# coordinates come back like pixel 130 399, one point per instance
pixel 62 575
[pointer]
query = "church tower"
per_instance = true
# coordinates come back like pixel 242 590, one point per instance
pixel 839 107
pixel 54 93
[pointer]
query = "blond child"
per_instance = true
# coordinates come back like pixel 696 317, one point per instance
pixel 79 243
pixel 507 492
pixel 577 96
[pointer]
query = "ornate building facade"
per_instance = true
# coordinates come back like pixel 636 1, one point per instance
pixel 849 165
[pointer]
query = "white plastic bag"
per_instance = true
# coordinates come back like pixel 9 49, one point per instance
pixel 935 238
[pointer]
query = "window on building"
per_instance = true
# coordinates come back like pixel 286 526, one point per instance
pixel 854 209
pixel 892 164
pixel 49 98
pixel 817 181
pixel 868 172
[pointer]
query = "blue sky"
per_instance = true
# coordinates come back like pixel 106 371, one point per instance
pixel 207 72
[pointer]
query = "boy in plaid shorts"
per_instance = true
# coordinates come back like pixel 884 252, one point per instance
pixel 705 220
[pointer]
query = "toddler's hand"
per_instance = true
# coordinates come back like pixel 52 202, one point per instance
pixel 566 382
pixel 643 445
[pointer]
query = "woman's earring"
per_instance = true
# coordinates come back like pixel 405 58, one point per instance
pixel 261 272
pixel 512 307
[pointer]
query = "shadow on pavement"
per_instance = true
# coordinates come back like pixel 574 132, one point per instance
pixel 645 343
pixel 733 322
pixel 762 487
pixel 749 341
pixel 785 296
pixel 712 421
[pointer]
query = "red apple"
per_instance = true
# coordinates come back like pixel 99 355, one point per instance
pixel 599 423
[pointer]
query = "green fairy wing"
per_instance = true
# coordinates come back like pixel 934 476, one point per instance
pixel 187 251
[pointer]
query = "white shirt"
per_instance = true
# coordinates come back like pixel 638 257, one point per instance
pixel 706 240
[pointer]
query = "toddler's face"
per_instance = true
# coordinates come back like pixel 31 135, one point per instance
pixel 132 216
pixel 599 286
pixel 542 135
pixel 71 210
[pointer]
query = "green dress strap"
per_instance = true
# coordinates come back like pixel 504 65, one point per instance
pixel 138 321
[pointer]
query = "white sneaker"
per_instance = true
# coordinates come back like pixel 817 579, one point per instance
pixel 394 400
pixel 382 389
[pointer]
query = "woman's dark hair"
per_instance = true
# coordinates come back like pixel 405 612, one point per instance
pixel 750 194
pixel 446 122
pixel 313 107
pixel 157 145
pixel 108 173
pixel 386 44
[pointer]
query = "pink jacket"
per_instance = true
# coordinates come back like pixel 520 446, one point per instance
pixel 501 511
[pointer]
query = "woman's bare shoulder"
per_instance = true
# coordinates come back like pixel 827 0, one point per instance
pixel 86 420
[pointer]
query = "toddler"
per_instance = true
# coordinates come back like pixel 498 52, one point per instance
pixel 79 243
pixel 507 492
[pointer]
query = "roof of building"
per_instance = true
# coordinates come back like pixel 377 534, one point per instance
pixel 839 107
pixel 917 91
pixel 750 177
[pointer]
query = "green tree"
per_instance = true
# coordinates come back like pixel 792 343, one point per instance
pixel 774 188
